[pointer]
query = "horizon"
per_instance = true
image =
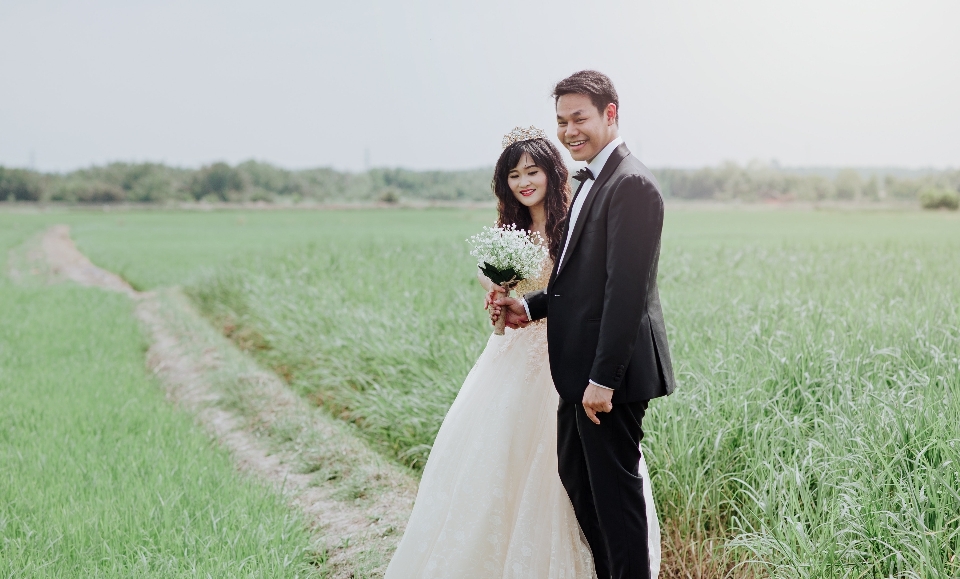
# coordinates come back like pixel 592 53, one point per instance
pixel 773 164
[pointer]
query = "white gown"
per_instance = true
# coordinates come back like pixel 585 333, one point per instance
pixel 490 503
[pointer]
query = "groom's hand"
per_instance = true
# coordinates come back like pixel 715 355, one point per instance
pixel 597 399
pixel 513 309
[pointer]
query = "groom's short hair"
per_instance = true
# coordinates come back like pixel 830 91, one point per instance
pixel 595 85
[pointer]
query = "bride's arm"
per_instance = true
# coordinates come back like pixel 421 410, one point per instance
pixel 490 287
pixel 485 281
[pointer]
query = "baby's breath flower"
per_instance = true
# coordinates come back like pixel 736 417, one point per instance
pixel 508 249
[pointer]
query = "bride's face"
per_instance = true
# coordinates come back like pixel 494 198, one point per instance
pixel 528 182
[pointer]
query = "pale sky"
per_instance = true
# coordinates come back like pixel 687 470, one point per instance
pixel 427 84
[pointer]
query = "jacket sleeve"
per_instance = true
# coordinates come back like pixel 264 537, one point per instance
pixel 634 223
pixel 537 304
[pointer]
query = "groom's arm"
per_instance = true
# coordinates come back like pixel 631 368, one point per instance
pixel 634 224
pixel 535 303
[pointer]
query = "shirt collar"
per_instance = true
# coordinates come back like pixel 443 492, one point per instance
pixel 600 160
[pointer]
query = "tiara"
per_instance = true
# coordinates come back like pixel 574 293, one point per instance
pixel 519 134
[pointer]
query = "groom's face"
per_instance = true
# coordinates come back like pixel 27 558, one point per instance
pixel 582 129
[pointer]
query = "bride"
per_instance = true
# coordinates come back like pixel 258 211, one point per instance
pixel 490 503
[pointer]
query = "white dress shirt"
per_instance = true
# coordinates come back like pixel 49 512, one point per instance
pixel 595 166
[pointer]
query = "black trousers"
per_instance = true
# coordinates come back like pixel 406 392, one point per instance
pixel 599 467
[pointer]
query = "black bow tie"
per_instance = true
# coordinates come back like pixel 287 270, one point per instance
pixel 583 174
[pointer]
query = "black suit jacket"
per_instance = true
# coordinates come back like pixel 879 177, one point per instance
pixel 606 324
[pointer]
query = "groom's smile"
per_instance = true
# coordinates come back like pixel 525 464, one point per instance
pixel 582 128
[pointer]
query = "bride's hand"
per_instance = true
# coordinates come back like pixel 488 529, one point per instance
pixel 491 296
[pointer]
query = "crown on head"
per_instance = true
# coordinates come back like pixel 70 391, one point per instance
pixel 520 134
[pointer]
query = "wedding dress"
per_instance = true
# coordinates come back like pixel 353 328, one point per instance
pixel 490 503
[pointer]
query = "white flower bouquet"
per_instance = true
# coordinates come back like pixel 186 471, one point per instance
pixel 507 256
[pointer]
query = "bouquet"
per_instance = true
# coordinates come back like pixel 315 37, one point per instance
pixel 507 256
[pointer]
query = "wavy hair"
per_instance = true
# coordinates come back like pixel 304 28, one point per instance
pixel 546 156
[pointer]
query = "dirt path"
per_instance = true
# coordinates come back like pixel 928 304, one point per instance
pixel 356 501
pixel 66 261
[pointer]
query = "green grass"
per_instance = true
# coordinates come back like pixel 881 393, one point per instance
pixel 99 475
pixel 820 403
pixel 818 356
pixel 14 229
pixel 156 248
pixel 381 332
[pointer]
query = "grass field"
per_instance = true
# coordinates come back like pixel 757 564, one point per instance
pixel 154 249
pixel 818 355
pixel 99 476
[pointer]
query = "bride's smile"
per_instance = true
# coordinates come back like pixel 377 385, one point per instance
pixel 528 182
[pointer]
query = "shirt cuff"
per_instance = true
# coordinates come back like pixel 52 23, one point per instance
pixel 526 309
pixel 600 385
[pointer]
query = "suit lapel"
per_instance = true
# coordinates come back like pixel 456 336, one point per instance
pixel 566 230
pixel 618 155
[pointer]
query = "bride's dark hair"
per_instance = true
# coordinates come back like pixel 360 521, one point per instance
pixel 547 157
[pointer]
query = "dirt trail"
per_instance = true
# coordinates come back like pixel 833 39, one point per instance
pixel 65 260
pixel 358 516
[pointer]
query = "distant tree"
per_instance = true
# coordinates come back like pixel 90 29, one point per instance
pixel 267 180
pixel 258 181
pixel 19 185
pixel 696 184
pixel 141 182
pixel 101 193
pixel 218 180
pixel 849 185
pixel 938 198
pixel 388 195
pixel 151 188
pixel 902 188
pixel 871 190
pixel 725 182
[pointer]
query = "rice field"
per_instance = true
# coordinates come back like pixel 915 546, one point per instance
pixel 99 476
pixel 815 428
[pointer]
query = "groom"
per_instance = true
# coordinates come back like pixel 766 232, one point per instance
pixel 607 339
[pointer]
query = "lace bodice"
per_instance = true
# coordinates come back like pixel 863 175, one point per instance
pixel 535 283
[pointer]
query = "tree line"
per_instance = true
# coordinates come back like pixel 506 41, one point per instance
pixel 256 181
pixel 763 182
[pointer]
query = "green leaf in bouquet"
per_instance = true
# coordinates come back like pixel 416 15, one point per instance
pixel 497 276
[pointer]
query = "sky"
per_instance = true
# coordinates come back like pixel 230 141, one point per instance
pixel 434 84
